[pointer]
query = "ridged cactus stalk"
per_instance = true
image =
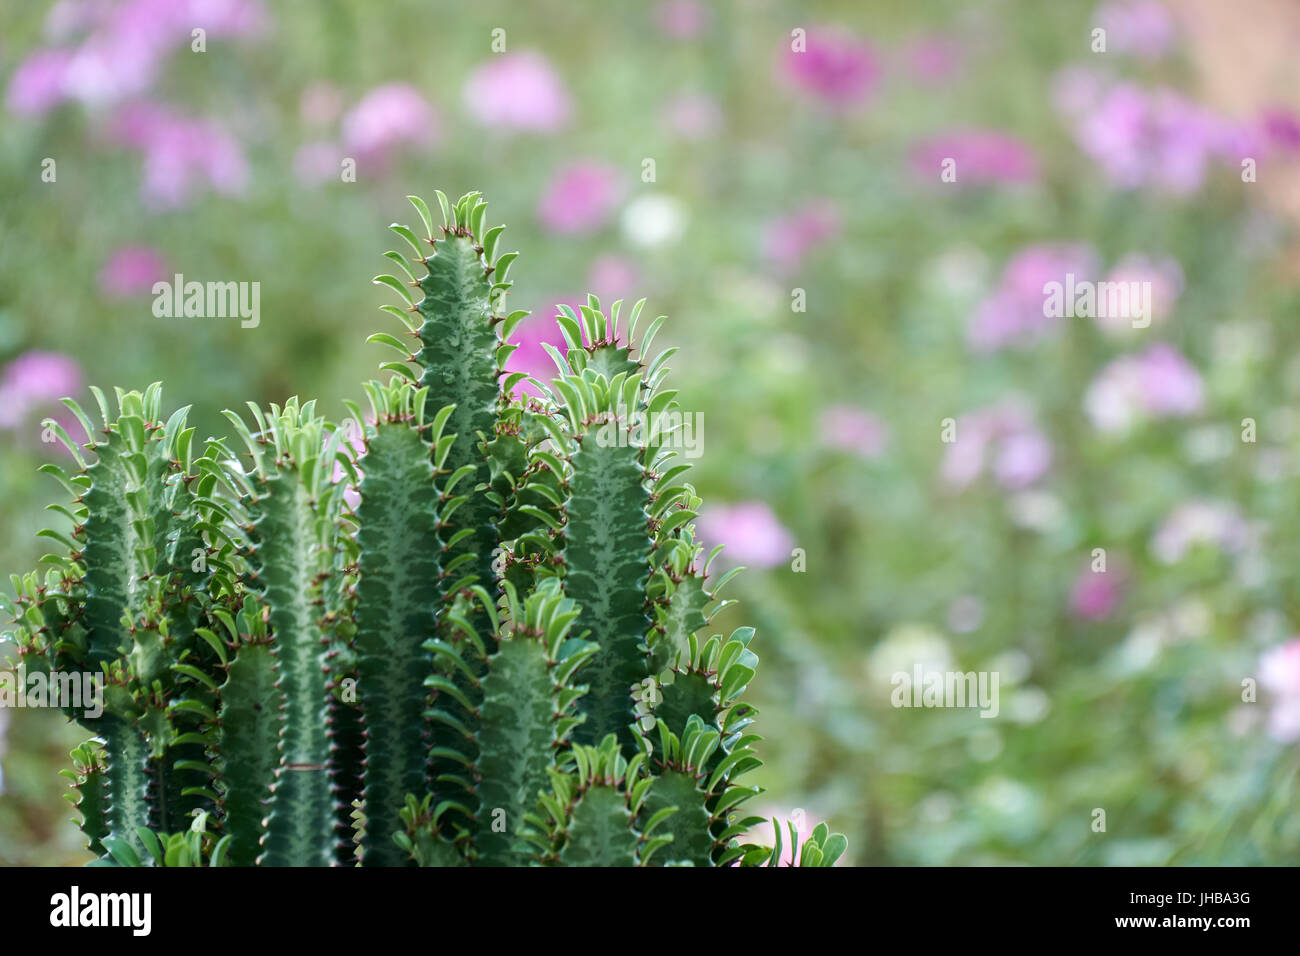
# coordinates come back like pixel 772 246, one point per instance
pixel 496 653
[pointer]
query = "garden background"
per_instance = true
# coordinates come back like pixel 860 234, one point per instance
pixel 916 464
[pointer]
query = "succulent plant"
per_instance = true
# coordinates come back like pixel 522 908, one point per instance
pixel 498 655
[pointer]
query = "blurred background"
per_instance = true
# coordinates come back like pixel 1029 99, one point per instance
pixel 848 211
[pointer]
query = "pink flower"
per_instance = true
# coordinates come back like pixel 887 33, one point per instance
pixel 1015 312
pixel 1218 524
pixel 1163 277
pixel 1281 129
pixel 388 117
pixel 750 530
pixel 317 162
pixel 1001 439
pixel 979 156
pixel 179 153
pixel 1279 674
pixel 849 428
pixel 124 52
pixel 38 83
pixel 613 277
pixel 1077 89
pixel 41 376
pixel 836 68
pixel 787 240
pixel 70 18
pixel 580 199
pixel 1096 594
pixel 693 116
pixel 518 92
pixel 1151 138
pixel 1157 383
pixel 934 58
pixel 132 270
pixel 681 19
pixel 1143 28
pixel 353 446
pixel 1023 458
pixel 804 825
pixel 531 357
pixel 35 379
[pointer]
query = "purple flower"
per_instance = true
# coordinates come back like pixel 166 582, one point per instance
pixel 750 530
pixel 518 92
pixel 1279 674
pixel 681 19
pixel 35 379
pixel 580 199
pixel 38 83
pixel 1015 312
pixel 1023 457
pixel 1157 383
pixel 1143 28
pixel 1001 439
pixel 180 153
pixel 123 53
pixel 388 117
pixel 1096 594
pixel 124 49
pixel 787 240
pixel 980 156
pixel 1152 137
pixel 849 428
pixel 1281 129
pixel 132 270
pixel 834 67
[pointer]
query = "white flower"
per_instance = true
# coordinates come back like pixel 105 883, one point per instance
pixel 654 220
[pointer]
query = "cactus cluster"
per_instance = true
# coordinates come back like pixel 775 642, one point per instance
pixel 496 653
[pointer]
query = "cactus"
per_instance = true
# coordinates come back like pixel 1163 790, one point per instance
pixel 499 656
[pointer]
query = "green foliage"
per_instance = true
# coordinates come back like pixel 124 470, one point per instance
pixel 247 739
pixel 461 669
pixel 526 716
pixel 291 519
pixel 192 847
pixel 90 793
pixel 398 594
